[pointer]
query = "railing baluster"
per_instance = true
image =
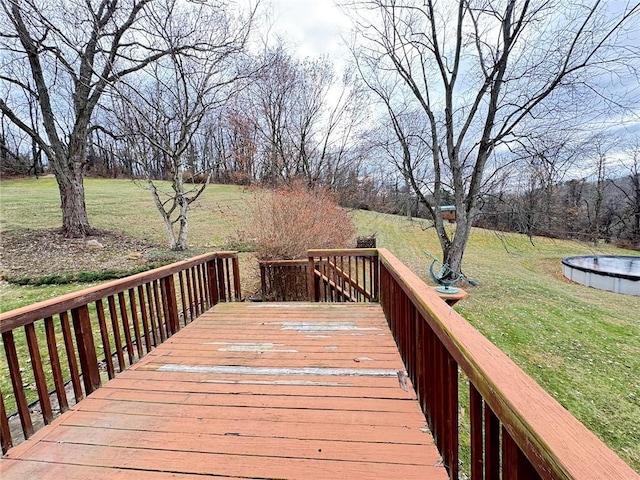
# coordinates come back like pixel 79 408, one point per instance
pixel 237 289
pixel 515 465
pixel 126 327
pixel 5 431
pixel 157 301
pixel 491 445
pixel 86 349
pixel 171 305
pixel 213 282
pixel 71 356
pixel 106 344
pixel 16 381
pixel 183 299
pixel 228 277
pixel 152 316
pixel 136 322
pixel 194 286
pixel 201 295
pixel 221 282
pixel 144 306
pixel 117 339
pixel 56 368
pixel 190 295
pixel 475 418
pixel 451 424
pixel 38 373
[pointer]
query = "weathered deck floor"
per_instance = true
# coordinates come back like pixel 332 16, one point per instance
pixel 248 391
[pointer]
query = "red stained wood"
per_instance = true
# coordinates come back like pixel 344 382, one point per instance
pixel 5 432
pixel 56 368
pixel 351 401
pixel 172 304
pixel 86 349
pixel 125 326
pixel 148 421
pixel 231 465
pixel 144 380
pixel 117 340
pixel 71 356
pixel 25 469
pixel 136 322
pixel 104 335
pixel 38 373
pixel 16 383
pixel 556 443
pixel 22 316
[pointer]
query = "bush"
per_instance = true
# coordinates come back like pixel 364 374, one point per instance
pixel 287 222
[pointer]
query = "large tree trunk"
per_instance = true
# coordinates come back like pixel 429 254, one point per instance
pixel 453 249
pixel 75 222
pixel 70 178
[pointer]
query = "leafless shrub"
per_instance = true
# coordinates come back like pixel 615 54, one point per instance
pixel 288 221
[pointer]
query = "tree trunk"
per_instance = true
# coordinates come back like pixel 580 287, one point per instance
pixel 181 242
pixel 453 250
pixel 75 222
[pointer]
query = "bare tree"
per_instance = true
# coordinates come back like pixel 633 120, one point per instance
pixel 161 114
pixel 485 73
pixel 309 118
pixel 628 212
pixel 65 54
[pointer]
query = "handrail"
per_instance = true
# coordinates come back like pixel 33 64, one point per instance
pixel 138 313
pixel 21 316
pixel 343 275
pixel 540 439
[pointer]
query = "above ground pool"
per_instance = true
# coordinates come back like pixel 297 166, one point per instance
pixel 615 273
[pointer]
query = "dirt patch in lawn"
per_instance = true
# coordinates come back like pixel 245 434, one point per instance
pixel 43 252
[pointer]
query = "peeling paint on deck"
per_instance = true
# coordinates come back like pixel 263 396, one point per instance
pixel 251 347
pixel 322 327
pixel 315 371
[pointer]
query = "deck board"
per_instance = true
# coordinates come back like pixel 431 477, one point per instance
pixel 248 391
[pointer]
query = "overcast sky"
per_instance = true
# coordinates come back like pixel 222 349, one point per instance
pixel 312 26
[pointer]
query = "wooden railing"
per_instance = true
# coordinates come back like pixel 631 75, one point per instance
pixel 284 280
pixel 102 329
pixel 518 431
pixel 343 275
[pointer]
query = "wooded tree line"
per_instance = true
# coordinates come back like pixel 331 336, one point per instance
pixel 603 205
pixel 444 103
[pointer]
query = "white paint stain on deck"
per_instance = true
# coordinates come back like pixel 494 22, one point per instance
pixel 251 347
pixel 315 371
pixel 322 327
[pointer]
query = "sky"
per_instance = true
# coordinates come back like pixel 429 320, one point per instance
pixel 316 27
pixel 312 26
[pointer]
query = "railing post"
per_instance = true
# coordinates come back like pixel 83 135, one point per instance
pixel 213 283
pixel 221 284
pixel 263 280
pixel 172 320
pixel 86 349
pixel 376 280
pixel 311 280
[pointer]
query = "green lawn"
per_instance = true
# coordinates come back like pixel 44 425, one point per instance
pixel 582 345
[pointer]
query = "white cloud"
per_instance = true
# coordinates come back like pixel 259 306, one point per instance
pixel 314 28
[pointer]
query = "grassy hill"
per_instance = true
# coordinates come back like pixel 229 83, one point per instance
pixel 582 345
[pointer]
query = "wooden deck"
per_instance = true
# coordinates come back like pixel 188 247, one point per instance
pixel 263 390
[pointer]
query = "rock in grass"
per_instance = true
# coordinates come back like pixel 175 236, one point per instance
pixel 94 245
